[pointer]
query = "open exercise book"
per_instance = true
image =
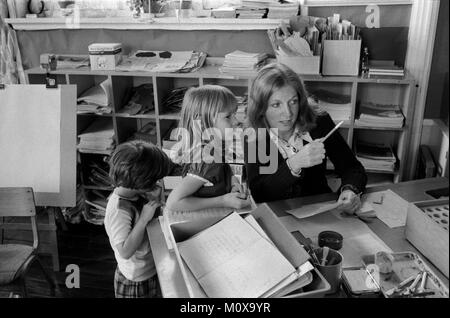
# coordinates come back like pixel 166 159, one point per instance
pixel 235 258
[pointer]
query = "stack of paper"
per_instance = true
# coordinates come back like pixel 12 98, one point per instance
pixel 235 258
pixel 378 115
pixel 96 99
pixel 259 3
pixel 243 62
pixel 195 63
pixel 160 61
pixel 386 70
pixel 282 10
pixel 376 157
pixel 338 106
pixel 98 137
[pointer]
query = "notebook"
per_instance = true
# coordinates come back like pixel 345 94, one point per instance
pixel 231 259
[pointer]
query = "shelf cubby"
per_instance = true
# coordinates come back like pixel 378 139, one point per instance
pixel 359 89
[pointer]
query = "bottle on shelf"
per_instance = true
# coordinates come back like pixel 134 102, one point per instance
pixel 365 62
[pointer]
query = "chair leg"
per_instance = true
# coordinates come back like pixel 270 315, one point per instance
pixel 49 280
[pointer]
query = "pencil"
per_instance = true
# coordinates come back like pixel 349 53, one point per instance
pixel 331 132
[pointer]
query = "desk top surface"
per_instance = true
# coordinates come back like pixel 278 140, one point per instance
pixel 169 274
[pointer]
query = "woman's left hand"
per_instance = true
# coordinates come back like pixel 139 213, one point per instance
pixel 350 202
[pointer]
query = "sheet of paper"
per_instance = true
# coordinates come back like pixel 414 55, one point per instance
pixel 251 220
pixel 309 210
pixel 230 259
pixel 359 239
pixel 392 211
pixel 30 137
pixel 360 245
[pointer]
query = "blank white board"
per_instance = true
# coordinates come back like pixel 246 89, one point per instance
pixel 38 141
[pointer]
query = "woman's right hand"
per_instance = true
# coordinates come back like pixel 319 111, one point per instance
pixel 235 200
pixel 310 155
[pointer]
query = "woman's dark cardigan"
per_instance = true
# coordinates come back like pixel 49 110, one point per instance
pixel 283 185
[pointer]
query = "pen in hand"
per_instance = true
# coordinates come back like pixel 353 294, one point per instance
pixel 330 133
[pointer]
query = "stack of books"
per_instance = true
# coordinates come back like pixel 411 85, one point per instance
pixel 378 157
pixel 96 99
pixel 98 175
pixel 385 70
pixel 236 258
pixel 239 62
pixel 250 12
pixel 174 101
pixel 98 137
pixel 379 115
pixel 96 209
pixel 338 106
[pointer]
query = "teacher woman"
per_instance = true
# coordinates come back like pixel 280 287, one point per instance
pixel 278 103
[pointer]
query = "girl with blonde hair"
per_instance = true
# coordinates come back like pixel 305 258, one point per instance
pixel 207 119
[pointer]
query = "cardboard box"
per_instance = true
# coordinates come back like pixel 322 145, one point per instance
pixel 105 56
pixel 427 229
pixel 269 222
pixel 306 65
pixel 341 57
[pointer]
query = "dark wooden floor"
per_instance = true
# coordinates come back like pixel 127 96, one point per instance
pixel 85 245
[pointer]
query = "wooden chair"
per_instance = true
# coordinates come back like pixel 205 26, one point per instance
pixel 16 259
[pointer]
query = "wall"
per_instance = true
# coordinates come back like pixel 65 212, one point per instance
pixel 387 42
pixel 437 97
pixel 215 43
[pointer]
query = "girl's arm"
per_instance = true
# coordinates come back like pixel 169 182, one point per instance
pixel 181 199
pixel 135 237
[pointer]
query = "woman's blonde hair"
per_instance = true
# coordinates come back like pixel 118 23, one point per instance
pixel 269 79
pixel 200 108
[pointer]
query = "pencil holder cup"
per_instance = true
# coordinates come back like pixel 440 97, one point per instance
pixel 332 270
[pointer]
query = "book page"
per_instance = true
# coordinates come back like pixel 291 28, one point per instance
pixel 393 209
pixel 230 259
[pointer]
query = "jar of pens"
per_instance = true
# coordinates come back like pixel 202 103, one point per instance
pixel 329 263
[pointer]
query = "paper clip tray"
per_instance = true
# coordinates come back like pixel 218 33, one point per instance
pixel 405 265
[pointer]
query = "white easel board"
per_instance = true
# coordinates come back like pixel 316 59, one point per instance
pixel 38 141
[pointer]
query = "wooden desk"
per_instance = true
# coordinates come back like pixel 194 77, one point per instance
pixel 171 281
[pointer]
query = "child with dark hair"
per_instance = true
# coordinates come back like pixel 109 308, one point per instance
pixel 135 168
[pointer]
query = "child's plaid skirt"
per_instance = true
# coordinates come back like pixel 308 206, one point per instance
pixel 125 288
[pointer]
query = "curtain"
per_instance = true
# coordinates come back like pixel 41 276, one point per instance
pixel 11 69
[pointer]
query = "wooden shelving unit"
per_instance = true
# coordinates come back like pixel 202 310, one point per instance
pixel 381 90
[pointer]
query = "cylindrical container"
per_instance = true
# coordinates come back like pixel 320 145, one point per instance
pixel 332 270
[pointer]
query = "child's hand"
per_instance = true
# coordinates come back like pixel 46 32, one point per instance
pixel 148 211
pixel 237 187
pixel 235 200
